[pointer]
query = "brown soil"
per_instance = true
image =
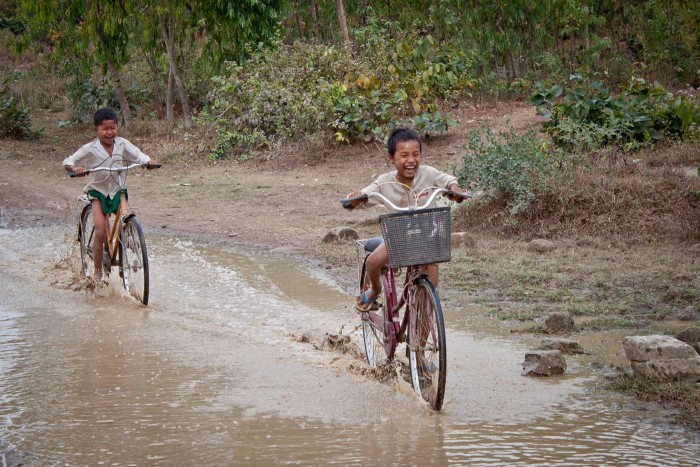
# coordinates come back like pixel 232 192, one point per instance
pixel 290 202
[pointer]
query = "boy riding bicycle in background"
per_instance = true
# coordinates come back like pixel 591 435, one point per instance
pixel 404 153
pixel 103 191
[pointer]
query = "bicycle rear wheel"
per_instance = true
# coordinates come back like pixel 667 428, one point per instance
pixel 373 327
pixel 426 343
pixel 86 236
pixel 133 260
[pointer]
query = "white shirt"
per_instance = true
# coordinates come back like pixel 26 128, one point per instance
pixel 93 155
pixel 403 196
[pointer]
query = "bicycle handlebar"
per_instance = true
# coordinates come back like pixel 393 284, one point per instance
pixel 114 169
pixel 351 203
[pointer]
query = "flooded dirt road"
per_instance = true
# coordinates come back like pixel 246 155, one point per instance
pixel 231 363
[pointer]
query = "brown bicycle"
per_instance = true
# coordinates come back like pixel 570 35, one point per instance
pixel 126 243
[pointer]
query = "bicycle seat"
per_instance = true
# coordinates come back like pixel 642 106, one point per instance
pixel 372 244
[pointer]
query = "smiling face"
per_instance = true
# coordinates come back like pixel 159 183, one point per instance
pixel 406 159
pixel 106 132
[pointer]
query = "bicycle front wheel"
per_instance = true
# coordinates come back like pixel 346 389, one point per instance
pixel 133 260
pixel 373 327
pixel 426 343
pixel 86 236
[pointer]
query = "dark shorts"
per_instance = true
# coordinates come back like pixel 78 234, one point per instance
pixel 109 205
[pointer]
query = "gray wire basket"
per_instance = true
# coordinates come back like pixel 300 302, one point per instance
pixel 417 237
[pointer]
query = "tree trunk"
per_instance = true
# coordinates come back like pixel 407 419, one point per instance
pixel 121 95
pixel 510 65
pixel 169 39
pixel 508 59
pixel 300 24
pixel 340 11
pixel 313 8
pixel 170 101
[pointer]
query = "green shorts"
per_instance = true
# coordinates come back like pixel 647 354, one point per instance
pixel 109 205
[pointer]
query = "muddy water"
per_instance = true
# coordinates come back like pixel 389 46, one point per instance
pixel 231 364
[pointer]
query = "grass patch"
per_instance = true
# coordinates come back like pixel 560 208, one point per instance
pixel 622 285
pixel 609 322
pixel 512 315
pixel 682 398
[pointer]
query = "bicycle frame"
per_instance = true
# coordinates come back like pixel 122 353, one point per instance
pixel 115 224
pixel 114 229
pixel 395 330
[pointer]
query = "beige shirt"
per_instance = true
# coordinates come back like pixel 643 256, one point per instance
pixel 93 155
pixel 403 196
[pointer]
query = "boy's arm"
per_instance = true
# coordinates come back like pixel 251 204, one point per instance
pixel 134 155
pixel 72 163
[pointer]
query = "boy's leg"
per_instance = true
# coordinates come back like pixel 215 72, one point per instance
pixel 375 262
pixel 99 220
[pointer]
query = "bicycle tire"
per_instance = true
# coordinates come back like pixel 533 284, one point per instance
pixel 133 260
pixel 427 344
pixel 86 236
pixel 373 327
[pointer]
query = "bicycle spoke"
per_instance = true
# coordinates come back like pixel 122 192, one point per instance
pixel 134 261
pixel 427 355
pixel 86 232
pixel 373 330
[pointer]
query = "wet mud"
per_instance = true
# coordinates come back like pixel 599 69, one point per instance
pixel 247 356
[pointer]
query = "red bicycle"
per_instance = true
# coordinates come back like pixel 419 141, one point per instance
pixel 414 238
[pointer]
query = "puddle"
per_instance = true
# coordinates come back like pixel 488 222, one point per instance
pixel 243 356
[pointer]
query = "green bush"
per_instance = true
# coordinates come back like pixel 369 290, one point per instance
pixel 281 94
pixel 286 92
pixel 589 116
pixel 507 165
pixel 15 120
pixel 87 95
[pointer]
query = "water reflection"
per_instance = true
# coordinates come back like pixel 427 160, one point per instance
pixel 211 373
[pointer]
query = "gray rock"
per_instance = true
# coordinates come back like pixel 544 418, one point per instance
pixel 566 346
pixel 683 369
pixel 541 245
pixel 656 347
pixel 690 336
pixel 560 322
pixel 544 363
pixel 662 357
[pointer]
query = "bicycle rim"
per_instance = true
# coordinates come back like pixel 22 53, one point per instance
pixel 373 330
pixel 86 236
pixel 134 261
pixel 427 349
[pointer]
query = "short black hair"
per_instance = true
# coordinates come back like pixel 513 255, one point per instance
pixel 401 135
pixel 103 115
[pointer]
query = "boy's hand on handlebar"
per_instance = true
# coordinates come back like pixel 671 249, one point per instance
pixel 458 196
pixel 353 200
pixel 152 164
pixel 76 171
